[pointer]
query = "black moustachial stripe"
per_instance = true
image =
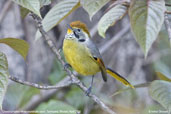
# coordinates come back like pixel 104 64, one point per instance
pixel 81 40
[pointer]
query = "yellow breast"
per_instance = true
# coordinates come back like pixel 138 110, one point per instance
pixel 79 57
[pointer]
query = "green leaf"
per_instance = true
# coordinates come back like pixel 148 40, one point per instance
pixel 3 77
pixel 23 12
pixel 18 45
pixel 163 65
pixel 76 97
pixel 59 12
pixel 163 71
pixel 110 18
pixel 162 76
pixel 18 95
pixel 92 6
pixel 57 107
pixel 44 2
pixel 32 5
pixel 161 91
pixel 57 73
pixel 146 17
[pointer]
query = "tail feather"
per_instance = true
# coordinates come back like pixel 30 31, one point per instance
pixel 104 74
pixel 118 77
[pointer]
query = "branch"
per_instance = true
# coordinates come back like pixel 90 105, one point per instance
pixel 168 12
pixel 74 79
pixel 167 4
pixel 5 10
pixel 43 96
pixel 168 26
pixel 136 86
pixel 57 86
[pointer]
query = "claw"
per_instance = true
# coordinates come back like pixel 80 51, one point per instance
pixel 66 66
pixel 88 91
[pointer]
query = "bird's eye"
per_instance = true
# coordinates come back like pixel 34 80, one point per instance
pixel 78 30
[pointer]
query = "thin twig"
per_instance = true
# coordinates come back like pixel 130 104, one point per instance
pixel 125 89
pixel 5 10
pixel 43 96
pixel 168 26
pixel 167 4
pixel 74 79
pixel 61 85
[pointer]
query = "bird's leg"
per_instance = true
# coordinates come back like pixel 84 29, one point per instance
pixel 91 85
pixel 66 66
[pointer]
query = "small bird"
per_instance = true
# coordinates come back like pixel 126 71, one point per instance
pixel 83 56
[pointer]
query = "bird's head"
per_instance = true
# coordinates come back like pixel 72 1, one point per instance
pixel 77 30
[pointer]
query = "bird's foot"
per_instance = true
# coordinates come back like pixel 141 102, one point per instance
pixel 66 66
pixel 88 91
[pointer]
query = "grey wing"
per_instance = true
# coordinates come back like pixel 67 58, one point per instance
pixel 93 49
pixel 96 55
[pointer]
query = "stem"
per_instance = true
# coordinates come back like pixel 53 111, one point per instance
pixel 64 84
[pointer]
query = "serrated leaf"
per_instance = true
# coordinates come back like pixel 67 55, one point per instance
pixel 163 65
pixel 92 6
pixel 44 2
pixel 59 12
pixel 146 17
pixel 161 91
pixel 32 5
pixel 18 45
pixel 58 107
pixel 3 77
pixel 23 12
pixel 110 18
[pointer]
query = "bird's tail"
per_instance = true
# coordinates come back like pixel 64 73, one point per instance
pixel 118 77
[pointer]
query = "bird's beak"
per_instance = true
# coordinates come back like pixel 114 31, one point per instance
pixel 70 30
pixel 70 27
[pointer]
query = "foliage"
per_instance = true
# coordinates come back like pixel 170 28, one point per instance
pixel 18 95
pixel 150 14
pixel 92 6
pixel 32 5
pixel 75 94
pixel 110 18
pixel 162 66
pixel 146 19
pixel 56 107
pixel 22 48
pixel 23 12
pixel 59 12
pixel 3 77
pixel 17 44
pixel 57 73
pixel 161 92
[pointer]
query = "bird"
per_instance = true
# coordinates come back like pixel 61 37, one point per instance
pixel 82 54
